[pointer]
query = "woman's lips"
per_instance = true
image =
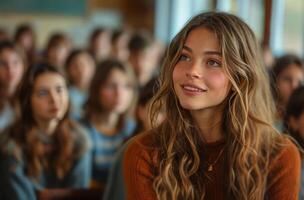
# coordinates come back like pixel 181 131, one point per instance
pixel 192 89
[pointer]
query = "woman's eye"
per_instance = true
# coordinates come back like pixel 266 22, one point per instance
pixel 42 93
pixel 59 89
pixel 110 86
pixel 214 63
pixel 184 57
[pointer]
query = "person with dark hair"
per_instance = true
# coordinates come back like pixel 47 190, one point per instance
pixel 43 148
pixel 25 37
pixel 142 108
pixel 294 123
pixel 217 140
pixel 13 63
pixel 80 68
pixel 143 57
pixel 115 188
pixel 57 50
pixel 287 74
pixel 119 45
pixel 100 44
pixel 108 114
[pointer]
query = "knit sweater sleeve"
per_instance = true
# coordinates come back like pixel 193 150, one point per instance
pixel 139 171
pixel 284 175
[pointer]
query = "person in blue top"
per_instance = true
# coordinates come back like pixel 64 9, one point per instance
pixel 109 114
pixel 43 148
pixel 80 68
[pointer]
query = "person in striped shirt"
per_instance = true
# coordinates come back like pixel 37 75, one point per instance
pixel 108 114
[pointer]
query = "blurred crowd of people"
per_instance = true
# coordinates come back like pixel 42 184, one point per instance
pixel 65 111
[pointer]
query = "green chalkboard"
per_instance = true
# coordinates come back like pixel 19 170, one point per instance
pixel 65 7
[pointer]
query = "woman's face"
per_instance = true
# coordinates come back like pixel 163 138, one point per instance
pixel 288 80
pixel 117 93
pixel 81 69
pixel 58 54
pixel 198 77
pixel 11 69
pixel 102 45
pixel 49 98
pixel 26 40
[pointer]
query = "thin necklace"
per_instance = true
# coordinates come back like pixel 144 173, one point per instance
pixel 210 165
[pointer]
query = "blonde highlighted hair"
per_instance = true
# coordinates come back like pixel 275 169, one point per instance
pixel 247 119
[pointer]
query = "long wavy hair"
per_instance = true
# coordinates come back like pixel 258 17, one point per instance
pixel 247 118
pixel 103 71
pixel 23 132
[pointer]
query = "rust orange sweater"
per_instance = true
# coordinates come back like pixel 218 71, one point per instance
pixel 140 166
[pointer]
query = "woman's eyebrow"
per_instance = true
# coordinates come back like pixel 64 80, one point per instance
pixel 211 52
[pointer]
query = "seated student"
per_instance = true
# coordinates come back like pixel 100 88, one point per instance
pixel 80 68
pixel 100 44
pixel 143 57
pixel 119 45
pixel 115 188
pixel 217 141
pixel 25 38
pixel 57 50
pixel 294 122
pixel 43 148
pixel 107 117
pixel 287 74
pixel 142 109
pixel 12 67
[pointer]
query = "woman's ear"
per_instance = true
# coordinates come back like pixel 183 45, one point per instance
pixel 293 123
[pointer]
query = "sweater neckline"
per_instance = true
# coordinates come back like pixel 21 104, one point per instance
pixel 216 145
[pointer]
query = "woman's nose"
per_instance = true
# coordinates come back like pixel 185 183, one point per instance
pixel 194 71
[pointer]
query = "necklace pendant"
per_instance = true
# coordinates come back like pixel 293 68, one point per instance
pixel 210 168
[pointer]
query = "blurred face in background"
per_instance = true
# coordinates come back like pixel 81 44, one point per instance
pixel 11 69
pixel 81 70
pixel 26 40
pixel 117 93
pixel 288 80
pixel 102 46
pixel 50 98
pixel 120 47
pixel 58 54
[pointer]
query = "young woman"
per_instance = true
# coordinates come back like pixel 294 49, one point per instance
pixel 217 141
pixel 25 38
pixel 12 66
pixel 80 68
pixel 108 119
pixel 100 44
pixel 43 148
pixel 294 122
pixel 287 75
pixel 57 50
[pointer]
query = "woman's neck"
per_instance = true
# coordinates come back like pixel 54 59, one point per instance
pixel 106 122
pixel 82 86
pixel 47 127
pixel 209 124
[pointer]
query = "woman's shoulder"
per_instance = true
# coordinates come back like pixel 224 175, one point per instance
pixel 287 152
pixel 143 147
pixel 10 151
pixel 286 161
pixel 82 140
pixel 148 141
pixel 7 144
pixel 283 181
